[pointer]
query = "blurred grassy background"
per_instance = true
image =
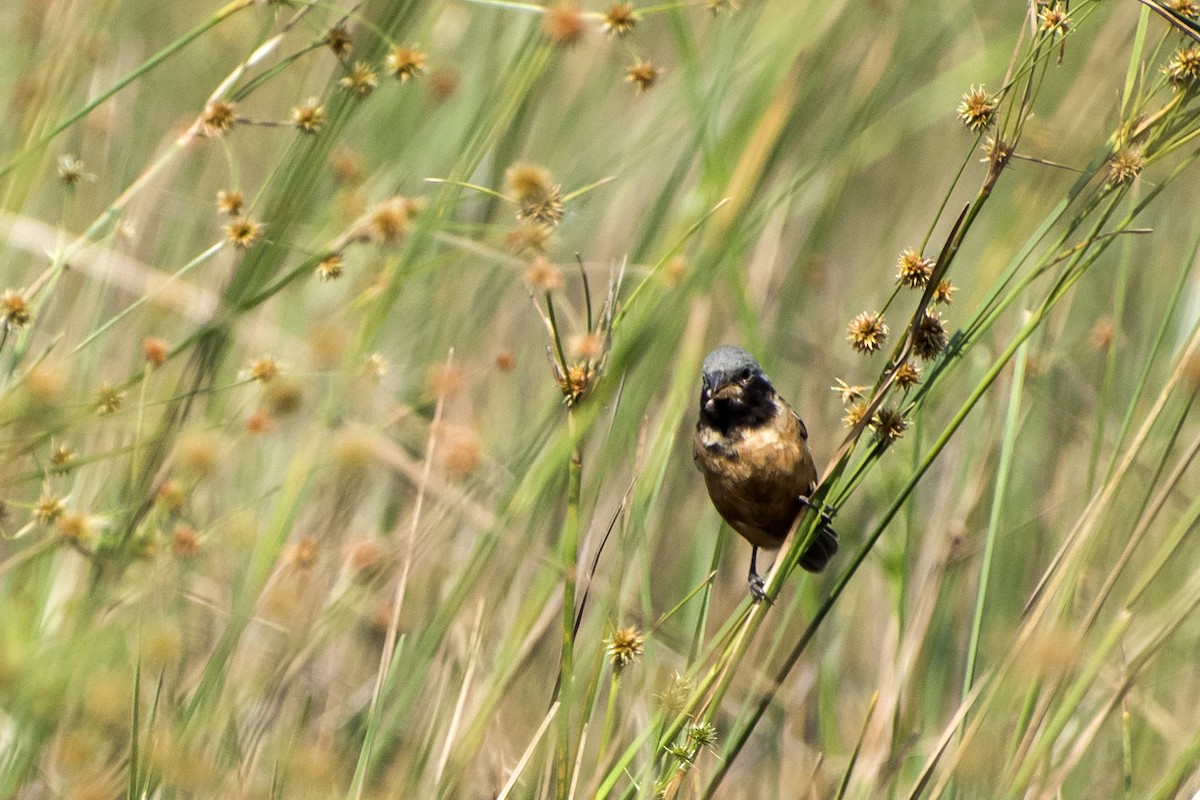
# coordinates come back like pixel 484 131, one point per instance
pixel 195 594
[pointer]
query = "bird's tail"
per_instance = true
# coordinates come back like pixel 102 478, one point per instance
pixel 822 548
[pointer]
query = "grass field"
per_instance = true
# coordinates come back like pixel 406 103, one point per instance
pixel 349 357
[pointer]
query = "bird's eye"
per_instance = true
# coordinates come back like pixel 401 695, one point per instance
pixel 744 375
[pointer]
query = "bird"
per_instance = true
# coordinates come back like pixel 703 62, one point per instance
pixel 752 449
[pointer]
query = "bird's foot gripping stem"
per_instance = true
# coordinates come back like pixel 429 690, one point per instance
pixel 826 512
pixel 758 589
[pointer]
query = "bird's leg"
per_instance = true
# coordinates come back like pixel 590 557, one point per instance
pixel 757 587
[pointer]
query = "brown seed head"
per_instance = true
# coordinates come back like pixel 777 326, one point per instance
pixel 199 453
pixel 48 509
pixel 445 380
pixel 461 453
pixel 282 397
pixel 347 165
pixel 848 393
pixel 375 367
pixel 643 75
pixel 854 413
pixel 230 203
pixel 337 39
pixel 1055 20
pixel 389 220
pixel 109 400
pixel 977 111
pixel 543 276
pixel 303 553
pixel 889 424
pixel 185 541
pixel 996 150
pixel 1185 8
pixel 309 118
pixel 75 526
pixel 867 332
pixel 619 20
pixel 258 423
pixel 155 350
pixel 625 647
pixel 61 457
pixel 563 23
pixel 1183 68
pixel 505 362
pixel 908 376
pixel 263 369
pixel 913 269
pixel 1125 166
pixel 930 337
pixel 14 310
pixel 170 496
pixel 218 118
pixel 586 346
pixel 404 63
pixel 443 83
pixel 361 80
pixel 944 292
pixel 577 382
pixel 529 238
pixel 243 232
pixel 331 267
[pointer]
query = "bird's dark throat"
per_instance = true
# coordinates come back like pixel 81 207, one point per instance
pixel 755 407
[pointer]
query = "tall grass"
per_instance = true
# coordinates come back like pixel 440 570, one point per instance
pixel 348 372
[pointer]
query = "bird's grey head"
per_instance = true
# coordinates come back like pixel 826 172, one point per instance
pixel 735 387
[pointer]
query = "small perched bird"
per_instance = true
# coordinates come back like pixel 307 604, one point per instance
pixel 753 451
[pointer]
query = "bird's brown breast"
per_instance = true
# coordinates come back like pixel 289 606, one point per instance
pixel 756 475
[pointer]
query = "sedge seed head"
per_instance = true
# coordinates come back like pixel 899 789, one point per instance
pixel 62 456
pixel 867 332
pixel 185 541
pixel 944 292
pixel 109 400
pixel 389 220
pixel 1054 20
pixel 619 20
pixel 309 118
pixel 405 63
pixel 375 368
pixel 1183 68
pixel 1125 166
pixel 977 111
pixel 529 238
pixel 996 150
pixel 48 509
pixel 625 647
pixel 854 413
pixel 155 350
pixel 543 276
pixel 263 369
pixel 848 393
pixel 14 310
pixel 563 23
pixel 929 340
pixel 702 734
pixel 361 80
pixel 218 118
pixel 913 269
pixel 908 376
pixel 889 424
pixel 643 75
pixel 230 203
pixel 337 39
pixel 1185 8
pixel 243 232
pixel 331 267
